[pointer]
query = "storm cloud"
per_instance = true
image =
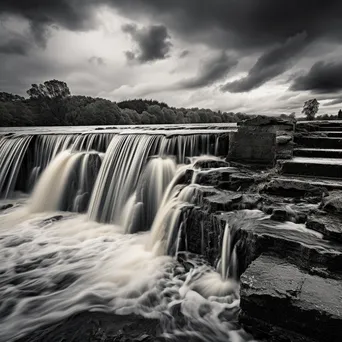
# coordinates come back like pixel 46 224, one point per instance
pixel 270 39
pixel 15 46
pixel 152 42
pixel 271 64
pixel 323 77
pixel 211 70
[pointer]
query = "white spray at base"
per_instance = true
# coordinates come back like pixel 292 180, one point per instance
pixel 62 265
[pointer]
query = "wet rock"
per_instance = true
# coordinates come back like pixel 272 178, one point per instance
pixel 292 188
pixel 210 164
pixel 279 215
pixel 333 202
pixel 6 206
pixel 98 327
pixel 215 177
pixel 241 181
pixel 283 139
pixel 229 201
pixel 329 225
pixel 256 234
pixel 51 219
pixel 280 302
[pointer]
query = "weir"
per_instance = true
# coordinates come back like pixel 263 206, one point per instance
pixel 157 223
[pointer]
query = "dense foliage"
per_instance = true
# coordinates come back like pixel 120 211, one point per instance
pixel 51 104
pixel 310 109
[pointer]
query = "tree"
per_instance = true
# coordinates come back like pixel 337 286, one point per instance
pixel 339 114
pixel 50 89
pixel 310 108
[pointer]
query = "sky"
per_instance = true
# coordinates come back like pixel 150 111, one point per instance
pixel 252 56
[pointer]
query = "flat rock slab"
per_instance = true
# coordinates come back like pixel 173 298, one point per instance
pixel 277 293
pixel 333 202
pixel 97 327
pixel 255 234
pixel 329 225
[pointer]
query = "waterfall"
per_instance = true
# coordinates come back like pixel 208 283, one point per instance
pixel 149 194
pixel 229 262
pixel 67 183
pixel 123 167
pixel 12 152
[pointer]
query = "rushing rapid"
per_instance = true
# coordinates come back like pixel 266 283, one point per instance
pixel 102 229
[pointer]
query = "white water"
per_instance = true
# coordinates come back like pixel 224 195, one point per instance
pixel 12 151
pixel 58 263
pixel 57 267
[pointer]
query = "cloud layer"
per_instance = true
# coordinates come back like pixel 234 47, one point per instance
pixel 234 53
pixel 152 42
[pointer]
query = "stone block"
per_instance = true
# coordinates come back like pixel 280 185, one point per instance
pixel 253 147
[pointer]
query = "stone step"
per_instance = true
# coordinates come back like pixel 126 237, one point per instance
pixel 330 129
pixel 317 142
pixel 315 167
pixel 280 302
pixel 317 153
pixel 305 183
pixel 321 123
pixel 336 134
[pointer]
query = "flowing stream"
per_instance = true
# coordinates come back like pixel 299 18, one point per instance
pixel 93 221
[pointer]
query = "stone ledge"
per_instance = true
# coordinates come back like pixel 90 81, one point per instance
pixel 283 296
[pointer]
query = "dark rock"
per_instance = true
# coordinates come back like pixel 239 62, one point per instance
pixel 210 164
pixel 215 177
pixel 329 225
pixel 241 181
pixel 263 120
pixel 279 302
pixel 252 147
pixel 229 201
pixel 292 188
pixel 283 139
pixel 279 215
pixel 97 327
pixel 256 235
pixel 332 202
pixel 6 206
pixel 52 219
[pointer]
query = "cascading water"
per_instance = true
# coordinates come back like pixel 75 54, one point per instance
pixel 71 176
pixel 12 152
pixel 125 162
pixel 57 263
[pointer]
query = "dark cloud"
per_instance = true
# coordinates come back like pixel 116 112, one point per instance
pixel 333 102
pixel 184 53
pixel 271 64
pixel 235 23
pixel 243 24
pixel 152 42
pixel 96 60
pixel 15 46
pixel 211 71
pixel 323 77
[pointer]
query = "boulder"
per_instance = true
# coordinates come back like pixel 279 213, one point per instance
pixel 255 235
pixel 293 188
pixel 98 327
pixel 283 139
pixel 210 164
pixel 333 202
pixel 280 302
pixel 329 225
pixel 279 215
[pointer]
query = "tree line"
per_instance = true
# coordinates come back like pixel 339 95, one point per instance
pixel 51 104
